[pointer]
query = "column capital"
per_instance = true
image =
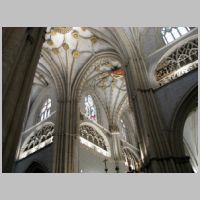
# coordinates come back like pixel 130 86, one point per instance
pixel 113 129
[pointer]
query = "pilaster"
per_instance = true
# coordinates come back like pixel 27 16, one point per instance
pixel 116 146
pixel 21 51
pixel 65 158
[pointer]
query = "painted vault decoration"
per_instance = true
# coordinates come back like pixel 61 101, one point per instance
pixel 67 39
pixel 82 75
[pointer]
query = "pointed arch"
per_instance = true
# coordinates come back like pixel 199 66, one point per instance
pixel 37 167
pixel 103 140
pixel 188 103
pixel 178 60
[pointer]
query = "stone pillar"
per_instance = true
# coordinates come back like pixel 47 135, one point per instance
pixel 21 49
pixel 66 140
pixel 117 151
pixel 158 156
pixel 153 142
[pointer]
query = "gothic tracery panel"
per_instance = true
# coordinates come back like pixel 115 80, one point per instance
pixel 41 137
pixel 128 157
pixel 91 138
pixel 181 61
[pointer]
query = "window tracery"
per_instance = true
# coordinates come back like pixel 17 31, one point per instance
pixel 172 33
pixel 178 63
pixel 42 136
pixel 90 108
pixel 91 138
pixel 46 110
pixel 128 158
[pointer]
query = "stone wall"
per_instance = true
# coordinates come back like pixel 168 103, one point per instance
pixel 42 156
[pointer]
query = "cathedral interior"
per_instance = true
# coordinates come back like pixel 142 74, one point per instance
pixel 100 100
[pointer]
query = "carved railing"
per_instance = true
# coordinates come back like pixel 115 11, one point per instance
pixel 85 118
pixel 179 62
pixel 130 159
pixel 37 137
pixel 93 136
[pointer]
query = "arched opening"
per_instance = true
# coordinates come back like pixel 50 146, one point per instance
pixel 37 139
pixel 179 60
pixel 94 138
pixel 104 77
pixel 90 108
pixel 36 167
pixel 78 60
pixel 190 138
pixel 45 110
pixel 132 162
pixel 184 125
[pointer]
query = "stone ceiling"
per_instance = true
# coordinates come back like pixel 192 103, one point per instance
pixel 70 48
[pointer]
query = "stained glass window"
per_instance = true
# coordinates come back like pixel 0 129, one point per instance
pixel 172 33
pixel 46 110
pixel 90 108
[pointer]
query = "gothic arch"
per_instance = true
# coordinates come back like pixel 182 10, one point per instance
pixel 152 75
pixel 99 131
pixel 131 157
pixel 111 36
pixel 56 73
pixel 41 87
pixel 35 107
pixel 97 104
pixel 43 133
pixel 132 135
pixel 188 103
pixel 39 107
pixel 37 167
pixel 79 80
pixel 179 44
pixel 135 155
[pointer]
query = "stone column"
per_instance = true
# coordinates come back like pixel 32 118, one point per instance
pixel 116 146
pixel 21 51
pixel 66 140
pixel 153 142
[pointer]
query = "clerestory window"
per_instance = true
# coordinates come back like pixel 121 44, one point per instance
pixel 46 110
pixel 90 108
pixel 170 34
